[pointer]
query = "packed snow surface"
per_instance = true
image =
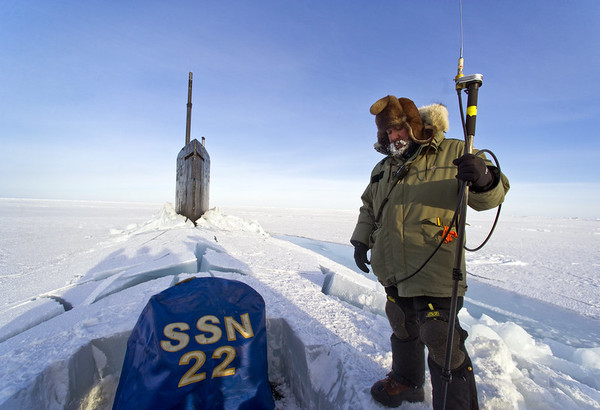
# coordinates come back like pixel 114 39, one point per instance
pixel 74 276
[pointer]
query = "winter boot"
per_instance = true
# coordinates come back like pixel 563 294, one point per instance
pixel 392 393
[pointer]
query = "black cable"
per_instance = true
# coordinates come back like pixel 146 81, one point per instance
pixel 497 212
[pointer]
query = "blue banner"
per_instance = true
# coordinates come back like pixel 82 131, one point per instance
pixel 201 344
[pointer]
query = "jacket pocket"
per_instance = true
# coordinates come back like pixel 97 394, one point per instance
pixel 434 229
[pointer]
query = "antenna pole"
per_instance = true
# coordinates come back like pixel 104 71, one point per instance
pixel 470 84
pixel 461 61
pixel 188 123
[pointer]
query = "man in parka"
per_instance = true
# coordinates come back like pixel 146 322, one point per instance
pixel 407 211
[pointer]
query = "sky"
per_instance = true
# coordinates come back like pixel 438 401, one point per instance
pixel 93 97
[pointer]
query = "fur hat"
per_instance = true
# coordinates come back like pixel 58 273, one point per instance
pixel 391 112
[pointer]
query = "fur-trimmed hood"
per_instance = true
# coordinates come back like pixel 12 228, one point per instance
pixel 393 112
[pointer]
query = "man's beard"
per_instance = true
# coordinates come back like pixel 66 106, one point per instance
pixel 399 148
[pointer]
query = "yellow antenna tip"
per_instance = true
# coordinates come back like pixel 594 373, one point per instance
pixel 459 73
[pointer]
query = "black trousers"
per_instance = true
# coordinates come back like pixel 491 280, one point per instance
pixel 423 321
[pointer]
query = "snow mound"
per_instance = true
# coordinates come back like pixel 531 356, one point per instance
pixel 167 218
pixel 215 219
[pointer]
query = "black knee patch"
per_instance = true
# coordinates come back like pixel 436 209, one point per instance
pixel 397 319
pixel 434 334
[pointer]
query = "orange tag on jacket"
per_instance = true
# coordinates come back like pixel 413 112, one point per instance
pixel 451 235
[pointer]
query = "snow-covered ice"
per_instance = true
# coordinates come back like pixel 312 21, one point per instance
pixel 74 277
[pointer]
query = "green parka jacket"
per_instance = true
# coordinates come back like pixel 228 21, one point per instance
pixel 413 218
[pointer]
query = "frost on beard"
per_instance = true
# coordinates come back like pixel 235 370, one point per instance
pixel 399 147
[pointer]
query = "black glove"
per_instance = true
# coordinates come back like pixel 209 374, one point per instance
pixel 472 168
pixel 360 256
